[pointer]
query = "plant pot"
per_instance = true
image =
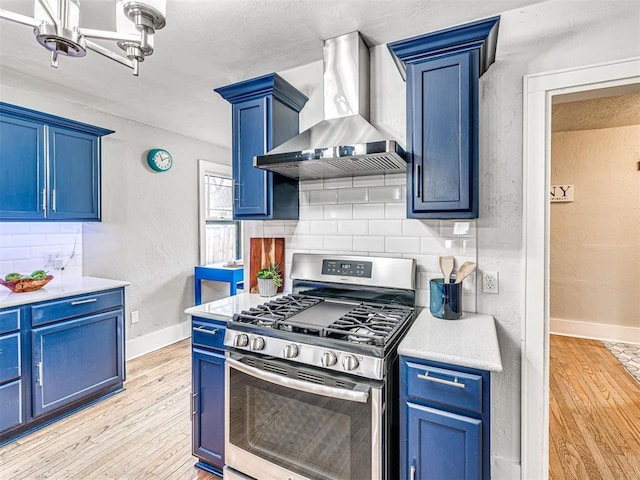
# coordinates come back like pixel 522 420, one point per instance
pixel 267 287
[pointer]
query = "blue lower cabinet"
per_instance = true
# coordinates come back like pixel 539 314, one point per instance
pixel 444 421
pixel 11 405
pixel 74 359
pixel 208 408
pixel 443 445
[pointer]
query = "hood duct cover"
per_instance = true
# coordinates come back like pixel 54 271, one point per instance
pixel 345 144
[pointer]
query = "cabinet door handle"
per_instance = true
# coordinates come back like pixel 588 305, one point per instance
pixel 418 182
pixel 412 473
pixel 39 379
pixel 193 405
pixel 44 199
pixel 454 383
pixel 204 330
pixel 53 200
pixel 80 302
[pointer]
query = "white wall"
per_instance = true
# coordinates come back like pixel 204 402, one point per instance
pixel 149 230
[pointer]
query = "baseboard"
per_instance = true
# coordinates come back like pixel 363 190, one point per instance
pixel 504 469
pixel 158 339
pixel 595 331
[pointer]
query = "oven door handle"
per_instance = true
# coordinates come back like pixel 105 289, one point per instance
pixel 361 395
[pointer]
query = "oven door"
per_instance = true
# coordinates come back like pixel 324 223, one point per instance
pixel 293 423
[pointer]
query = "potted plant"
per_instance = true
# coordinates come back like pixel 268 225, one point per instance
pixel 269 280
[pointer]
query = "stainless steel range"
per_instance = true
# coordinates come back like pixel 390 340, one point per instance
pixel 311 377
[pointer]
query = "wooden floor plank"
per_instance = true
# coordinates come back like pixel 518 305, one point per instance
pixel 143 433
pixel 594 413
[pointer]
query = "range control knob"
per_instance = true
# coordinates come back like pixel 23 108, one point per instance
pixel 349 362
pixel 328 359
pixel 257 343
pixel 241 340
pixel 290 351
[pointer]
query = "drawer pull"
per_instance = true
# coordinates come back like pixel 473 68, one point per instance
pixel 80 302
pixel 204 330
pixel 455 383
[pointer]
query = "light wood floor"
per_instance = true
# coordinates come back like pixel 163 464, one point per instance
pixel 142 433
pixel 594 413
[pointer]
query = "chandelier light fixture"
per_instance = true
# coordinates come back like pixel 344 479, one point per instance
pixel 56 25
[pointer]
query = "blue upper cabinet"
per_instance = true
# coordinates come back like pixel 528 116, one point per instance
pixel 264 114
pixel 442 70
pixel 50 165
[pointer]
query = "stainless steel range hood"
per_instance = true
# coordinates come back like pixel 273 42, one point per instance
pixel 344 144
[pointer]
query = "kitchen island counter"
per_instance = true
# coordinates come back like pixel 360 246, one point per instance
pixel 224 308
pixel 59 288
pixel 470 341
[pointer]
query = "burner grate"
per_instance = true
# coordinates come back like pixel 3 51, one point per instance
pixel 369 324
pixel 275 310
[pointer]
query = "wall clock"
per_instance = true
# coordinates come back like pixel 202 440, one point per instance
pixel 160 160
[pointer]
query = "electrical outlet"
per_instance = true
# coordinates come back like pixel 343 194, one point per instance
pixel 490 282
pixel 135 316
pixel 49 258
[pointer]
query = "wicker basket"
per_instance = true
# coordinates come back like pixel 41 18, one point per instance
pixel 267 287
pixel 26 284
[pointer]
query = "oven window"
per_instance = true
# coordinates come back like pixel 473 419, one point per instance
pixel 309 434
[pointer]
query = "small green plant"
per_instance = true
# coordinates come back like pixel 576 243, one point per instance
pixel 273 272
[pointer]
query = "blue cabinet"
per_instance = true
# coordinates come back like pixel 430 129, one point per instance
pixel 264 115
pixel 444 421
pixel 11 382
pixel 57 357
pixel 442 70
pixel 207 408
pixel 50 165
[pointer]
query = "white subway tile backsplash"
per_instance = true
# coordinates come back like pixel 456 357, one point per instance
pixel 395 179
pixel 274 228
pixel 353 195
pixel 368 243
pixel 323 197
pixel 469 247
pixel 304 198
pixel 369 181
pixel 6 241
pixel 324 227
pixel 31 240
pixel 370 210
pixel 290 226
pixel 13 228
pixel 385 227
pixel 353 227
pixel 395 210
pixel 311 212
pixel 331 183
pixel 310 184
pixel 458 228
pixel 439 246
pixel 421 228
pixel 307 242
pixel 338 211
pixel 386 194
pixel 338 243
pixel 303 227
pixel 402 244
pixel 15 253
pixel 44 227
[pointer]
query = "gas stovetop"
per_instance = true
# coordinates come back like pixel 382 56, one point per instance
pixel 353 323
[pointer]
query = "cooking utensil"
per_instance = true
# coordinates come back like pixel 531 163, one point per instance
pixel 465 270
pixel 446 265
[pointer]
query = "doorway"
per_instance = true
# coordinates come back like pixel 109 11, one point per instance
pixel 594 232
pixel 539 90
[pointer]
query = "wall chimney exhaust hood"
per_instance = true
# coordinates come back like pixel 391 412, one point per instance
pixel 344 144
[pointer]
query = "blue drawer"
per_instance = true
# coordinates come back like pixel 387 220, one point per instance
pixel 207 333
pixel 9 357
pixel 75 306
pixel 11 405
pixel 9 320
pixel 444 387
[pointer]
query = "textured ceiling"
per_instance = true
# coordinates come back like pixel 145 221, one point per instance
pixel 210 43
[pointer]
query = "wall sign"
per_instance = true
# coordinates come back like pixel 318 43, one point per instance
pixel 561 193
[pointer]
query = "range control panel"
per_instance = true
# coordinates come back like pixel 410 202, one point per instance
pixel 346 269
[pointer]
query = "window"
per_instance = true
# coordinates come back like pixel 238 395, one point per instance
pixel 220 237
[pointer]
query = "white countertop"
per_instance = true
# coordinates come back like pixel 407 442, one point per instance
pixel 58 288
pixel 470 341
pixel 224 308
